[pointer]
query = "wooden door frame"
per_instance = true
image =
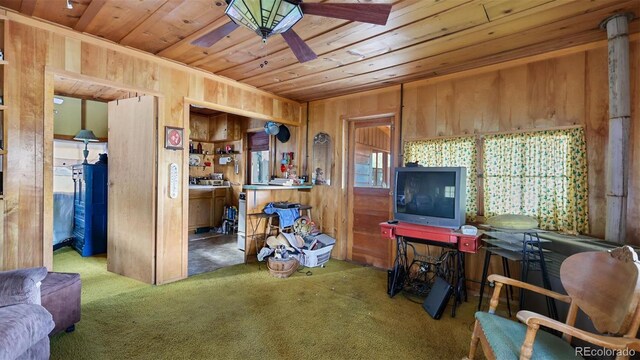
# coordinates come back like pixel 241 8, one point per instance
pixel 50 74
pixel 187 101
pixel 348 136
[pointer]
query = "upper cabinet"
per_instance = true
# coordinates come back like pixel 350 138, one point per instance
pixel 211 128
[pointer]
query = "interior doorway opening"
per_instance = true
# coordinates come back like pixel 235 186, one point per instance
pixel 100 176
pixel 215 151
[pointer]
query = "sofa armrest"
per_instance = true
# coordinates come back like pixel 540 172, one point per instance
pixel 21 286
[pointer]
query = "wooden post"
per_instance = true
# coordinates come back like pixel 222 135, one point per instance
pixel 619 113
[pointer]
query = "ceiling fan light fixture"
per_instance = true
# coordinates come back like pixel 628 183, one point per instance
pixel 264 17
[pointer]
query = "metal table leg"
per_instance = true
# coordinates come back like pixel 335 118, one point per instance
pixel 485 269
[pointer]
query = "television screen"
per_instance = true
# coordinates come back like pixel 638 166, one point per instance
pixel 427 193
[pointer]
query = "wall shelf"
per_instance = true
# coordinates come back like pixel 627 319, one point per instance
pixel 3 107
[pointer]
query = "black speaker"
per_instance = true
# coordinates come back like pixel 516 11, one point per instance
pixel 438 298
pixel 395 280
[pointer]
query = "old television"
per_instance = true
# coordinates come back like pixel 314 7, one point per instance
pixel 433 196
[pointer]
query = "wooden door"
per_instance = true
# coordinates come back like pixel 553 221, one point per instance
pixel 369 191
pixel 132 188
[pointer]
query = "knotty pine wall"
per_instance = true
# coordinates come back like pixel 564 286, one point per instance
pixel 568 87
pixel 35 49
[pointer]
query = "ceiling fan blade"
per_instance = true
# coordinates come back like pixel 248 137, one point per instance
pixel 216 35
pixel 302 51
pixel 368 13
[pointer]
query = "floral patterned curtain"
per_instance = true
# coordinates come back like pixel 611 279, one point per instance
pixel 449 152
pixel 541 174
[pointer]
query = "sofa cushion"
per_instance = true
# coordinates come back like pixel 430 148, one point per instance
pixel 22 326
pixel 21 286
pixel 513 222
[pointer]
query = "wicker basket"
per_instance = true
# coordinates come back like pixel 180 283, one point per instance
pixel 282 268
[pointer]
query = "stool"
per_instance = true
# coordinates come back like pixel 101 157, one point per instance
pixel 306 208
pixel 60 295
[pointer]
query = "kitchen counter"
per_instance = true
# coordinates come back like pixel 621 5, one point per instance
pixel 207 187
pixel 275 187
pixel 265 191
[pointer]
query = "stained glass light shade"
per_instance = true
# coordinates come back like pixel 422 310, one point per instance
pixel 265 17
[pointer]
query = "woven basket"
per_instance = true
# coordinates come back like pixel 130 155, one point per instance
pixel 282 268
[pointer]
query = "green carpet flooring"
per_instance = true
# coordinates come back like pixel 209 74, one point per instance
pixel 240 312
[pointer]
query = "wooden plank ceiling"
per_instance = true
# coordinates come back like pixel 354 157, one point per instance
pixel 422 39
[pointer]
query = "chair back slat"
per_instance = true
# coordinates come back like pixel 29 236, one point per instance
pixel 605 286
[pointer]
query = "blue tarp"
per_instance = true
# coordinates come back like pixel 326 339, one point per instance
pixel 286 216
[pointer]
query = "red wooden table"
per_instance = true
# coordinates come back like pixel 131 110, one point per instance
pixel 459 244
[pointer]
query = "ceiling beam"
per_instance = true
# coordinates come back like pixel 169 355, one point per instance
pixel 89 14
pixel 28 6
pixel 150 21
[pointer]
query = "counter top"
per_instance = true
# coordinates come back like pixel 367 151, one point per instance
pixel 275 187
pixel 207 187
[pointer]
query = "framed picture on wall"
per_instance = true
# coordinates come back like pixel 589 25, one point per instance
pixel 173 138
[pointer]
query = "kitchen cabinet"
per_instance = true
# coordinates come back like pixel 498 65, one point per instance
pixel 222 127
pixel 206 206
pixel 225 127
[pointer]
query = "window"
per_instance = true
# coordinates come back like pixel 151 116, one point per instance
pixel 449 152
pixel 260 167
pixel 541 174
pixel 259 158
pixel 450 192
pixel 379 167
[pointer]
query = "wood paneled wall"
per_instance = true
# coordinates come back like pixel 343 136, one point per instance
pixel 329 116
pixel 374 137
pixel 568 87
pixel 35 50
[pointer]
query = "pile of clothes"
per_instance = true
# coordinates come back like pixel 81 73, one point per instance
pixel 301 243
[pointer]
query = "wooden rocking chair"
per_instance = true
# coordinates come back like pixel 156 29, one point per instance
pixel 604 284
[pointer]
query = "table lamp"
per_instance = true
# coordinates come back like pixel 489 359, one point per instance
pixel 85 136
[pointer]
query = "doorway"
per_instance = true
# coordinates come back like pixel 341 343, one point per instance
pixel 114 197
pixel 369 189
pixel 215 156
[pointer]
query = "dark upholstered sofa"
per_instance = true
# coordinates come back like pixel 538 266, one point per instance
pixel 24 323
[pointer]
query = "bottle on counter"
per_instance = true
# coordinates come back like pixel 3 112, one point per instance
pixel 199 148
pixel 190 147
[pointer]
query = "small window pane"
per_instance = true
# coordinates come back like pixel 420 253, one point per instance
pixel 260 167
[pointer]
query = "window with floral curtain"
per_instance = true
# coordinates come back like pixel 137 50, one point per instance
pixel 541 174
pixel 451 152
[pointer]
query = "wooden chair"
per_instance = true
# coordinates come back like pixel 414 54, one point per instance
pixel 604 284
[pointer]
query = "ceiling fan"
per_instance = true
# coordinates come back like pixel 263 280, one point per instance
pixel 269 17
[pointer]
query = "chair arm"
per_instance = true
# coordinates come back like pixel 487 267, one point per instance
pixel 617 343
pixel 512 282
